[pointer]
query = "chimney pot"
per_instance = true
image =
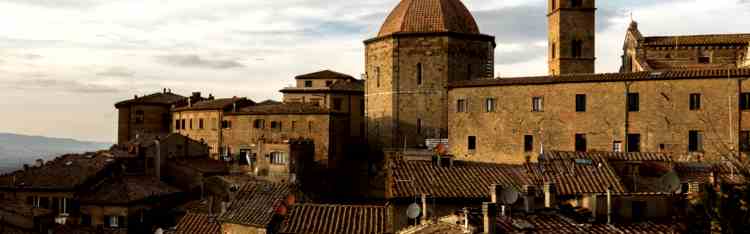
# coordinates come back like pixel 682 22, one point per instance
pixel 549 195
pixel 495 192
pixel 490 217
pixel 529 195
pixel 609 205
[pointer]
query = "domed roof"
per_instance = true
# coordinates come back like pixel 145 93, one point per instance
pixel 421 16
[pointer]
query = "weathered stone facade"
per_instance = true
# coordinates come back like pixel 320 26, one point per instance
pixel 664 116
pixel 572 34
pixel 406 79
pixel 149 114
pixel 210 131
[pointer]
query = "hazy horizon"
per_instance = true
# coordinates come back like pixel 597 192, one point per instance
pixel 66 62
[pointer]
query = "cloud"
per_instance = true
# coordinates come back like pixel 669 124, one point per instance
pixel 195 61
pixel 59 3
pixel 116 72
pixel 30 56
pixel 60 85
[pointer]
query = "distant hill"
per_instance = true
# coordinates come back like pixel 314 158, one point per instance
pixel 16 150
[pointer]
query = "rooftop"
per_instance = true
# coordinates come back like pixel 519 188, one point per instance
pixel 606 77
pixel 127 190
pixel 161 98
pixel 345 86
pixel 255 203
pixel 429 16
pixel 197 223
pixel 708 39
pixel 333 219
pixel 66 172
pixel 325 74
pixel 576 173
pixel 218 104
pixel 282 109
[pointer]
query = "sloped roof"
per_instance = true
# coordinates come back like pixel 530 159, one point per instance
pixel 66 172
pixel 324 74
pixel 195 223
pixel 471 180
pixel 282 109
pixel 218 104
pixel 708 39
pixel 634 156
pixel 556 223
pixel 334 219
pixel 606 77
pixel 700 172
pixel 340 86
pixel 576 173
pixel 162 98
pixel 255 203
pixel 22 208
pixel 429 16
pixel 127 190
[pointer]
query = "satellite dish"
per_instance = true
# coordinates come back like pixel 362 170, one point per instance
pixel 670 182
pixel 509 196
pixel 413 211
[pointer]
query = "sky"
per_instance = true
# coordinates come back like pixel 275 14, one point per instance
pixel 64 63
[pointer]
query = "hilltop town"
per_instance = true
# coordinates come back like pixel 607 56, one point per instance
pixel 426 141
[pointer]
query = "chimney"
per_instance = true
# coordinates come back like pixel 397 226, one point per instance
pixel 424 208
pixel 489 210
pixel 135 96
pixel 609 205
pixel 39 163
pixel 196 94
pixel 466 220
pixel 190 102
pixel 495 192
pixel 210 96
pixel 165 90
pixel 528 200
pixel 549 195
pixel 157 160
pixel 25 167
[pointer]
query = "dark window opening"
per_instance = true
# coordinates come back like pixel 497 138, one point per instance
pixel 182 124
pixel 580 143
pixel 200 123
pixel 461 106
pixel 634 143
pixel 337 104
pixel 537 104
pixel 704 60
pixel 489 105
pixel 554 50
pixel 576 3
pixel 419 73
pixel 226 124
pixel 139 116
pixel 472 143
pixel 695 101
pixel 639 211
pixel 419 126
pixel 468 72
pixel 86 220
pixel 191 123
pixel 633 102
pixel 308 83
pixel 259 124
pixel 695 141
pixel 745 101
pixel 276 125
pixel 177 124
pixel 577 48
pixel 580 102
pixel 377 75
pixel 329 83
pixel 745 141
pixel 528 143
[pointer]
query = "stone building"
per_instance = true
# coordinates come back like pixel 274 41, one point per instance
pixel 150 114
pixel 659 53
pixel 421 47
pixel 572 33
pixel 697 114
pixel 204 121
pixel 335 91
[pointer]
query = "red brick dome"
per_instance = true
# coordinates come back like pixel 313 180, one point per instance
pixel 425 16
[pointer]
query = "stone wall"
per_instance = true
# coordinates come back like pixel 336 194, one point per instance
pixel 663 121
pixel 566 24
pixel 156 119
pixel 210 133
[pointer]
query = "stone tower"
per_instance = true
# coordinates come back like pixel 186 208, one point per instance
pixel 422 46
pixel 572 29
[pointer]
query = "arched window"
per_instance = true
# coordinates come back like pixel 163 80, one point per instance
pixel 139 116
pixel 279 158
pixel 419 73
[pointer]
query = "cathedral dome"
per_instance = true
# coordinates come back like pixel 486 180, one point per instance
pixel 428 16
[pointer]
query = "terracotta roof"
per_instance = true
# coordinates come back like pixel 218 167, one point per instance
pixel 434 228
pixel 203 165
pixel 66 172
pixel 10 229
pixel 193 223
pixel 576 173
pixel 70 229
pixel 463 180
pixel 282 109
pixel 556 223
pixel 325 74
pixel 333 219
pixel 218 104
pixel 710 39
pixel 636 156
pixel 427 16
pixel 607 77
pixel 163 98
pixel 268 102
pixel 699 172
pixel 255 203
pixel 127 190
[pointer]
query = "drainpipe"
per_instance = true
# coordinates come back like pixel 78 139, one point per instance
pixel 627 118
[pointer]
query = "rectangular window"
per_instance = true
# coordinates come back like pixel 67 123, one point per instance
pixel 745 141
pixel 310 126
pixel 617 147
pixel 576 3
pixel 191 123
pixel 580 102
pixel 468 72
pixel 329 83
pixel 419 73
pixel 695 141
pixel 554 50
pixel 419 126
pixel 276 125
pixel 580 143
pixel 259 124
pixel 489 105
pixel 704 60
pixel 182 124
pixel 577 48
pixel 294 125
pixel 377 75
pixel 226 124
pixel 337 104
pixel 528 143
pixel 461 106
pixel 279 158
pixel 200 123
pixel 537 104
pixel 177 124
pixel 472 144
pixel 745 101
pixel 634 143
pixel 695 101
pixel 634 102
pixel 308 83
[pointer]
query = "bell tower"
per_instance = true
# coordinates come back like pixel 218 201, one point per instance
pixel 572 33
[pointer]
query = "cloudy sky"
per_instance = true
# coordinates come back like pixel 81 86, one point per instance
pixel 64 63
